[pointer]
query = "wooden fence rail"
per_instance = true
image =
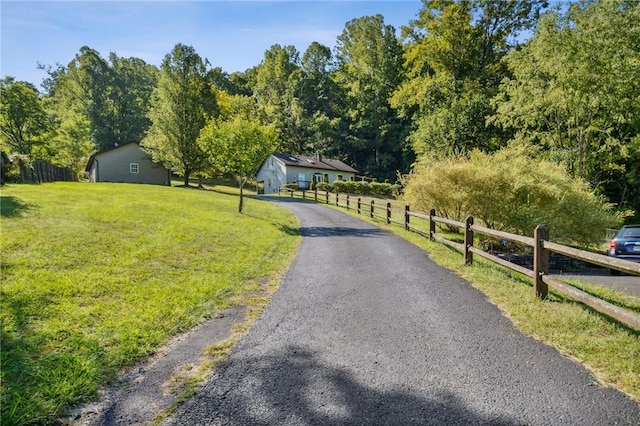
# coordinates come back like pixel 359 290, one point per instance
pixel 542 248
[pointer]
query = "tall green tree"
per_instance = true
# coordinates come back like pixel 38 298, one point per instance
pixel 134 83
pixel 277 80
pixel 453 54
pixel 321 102
pixel 181 105
pixel 369 69
pixel 70 145
pixel 23 118
pixel 575 91
pixel 112 93
pixel 239 143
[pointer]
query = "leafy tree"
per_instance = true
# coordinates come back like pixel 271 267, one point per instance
pixel 575 92
pixel 181 105
pixel 112 93
pixel 277 79
pixel 369 61
pixel 240 144
pixel 134 83
pixel 320 99
pixel 452 56
pixel 521 193
pixel 71 144
pixel 23 121
pixel 237 83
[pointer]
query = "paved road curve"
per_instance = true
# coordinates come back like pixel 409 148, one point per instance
pixel 366 330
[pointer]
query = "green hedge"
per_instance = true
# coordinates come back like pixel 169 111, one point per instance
pixel 361 188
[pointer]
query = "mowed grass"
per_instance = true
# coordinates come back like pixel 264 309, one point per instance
pixel 98 276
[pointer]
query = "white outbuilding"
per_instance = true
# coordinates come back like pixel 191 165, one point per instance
pixel 280 169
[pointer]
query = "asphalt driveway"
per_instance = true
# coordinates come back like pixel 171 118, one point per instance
pixel 366 330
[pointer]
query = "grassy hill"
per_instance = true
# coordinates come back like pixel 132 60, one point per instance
pixel 97 276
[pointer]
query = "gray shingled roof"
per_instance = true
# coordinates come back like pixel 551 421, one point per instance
pixel 314 163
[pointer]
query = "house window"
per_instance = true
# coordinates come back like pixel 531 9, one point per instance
pixel 133 168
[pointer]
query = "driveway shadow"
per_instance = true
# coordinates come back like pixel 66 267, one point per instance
pixel 319 231
pixel 294 386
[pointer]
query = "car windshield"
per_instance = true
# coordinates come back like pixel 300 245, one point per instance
pixel 631 233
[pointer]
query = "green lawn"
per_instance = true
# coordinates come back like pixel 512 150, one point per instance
pixel 97 276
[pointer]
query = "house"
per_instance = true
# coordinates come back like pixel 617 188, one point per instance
pixel 126 163
pixel 280 169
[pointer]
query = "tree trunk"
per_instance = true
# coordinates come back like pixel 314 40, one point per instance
pixel 241 203
pixel 23 171
pixel 187 173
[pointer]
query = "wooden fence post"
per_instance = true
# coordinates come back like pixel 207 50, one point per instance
pixel 540 261
pixel 388 213
pixel 326 194
pixel 432 224
pixel 406 217
pixel 315 194
pixel 337 199
pixel 303 194
pixel 468 241
pixel 372 209
pixel 359 205
pixel 347 202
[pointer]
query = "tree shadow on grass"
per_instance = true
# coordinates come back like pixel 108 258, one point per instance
pixel 12 206
pixel 294 386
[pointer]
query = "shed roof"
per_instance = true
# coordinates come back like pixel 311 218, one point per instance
pixel 314 162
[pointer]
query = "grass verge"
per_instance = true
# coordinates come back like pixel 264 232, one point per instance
pixel 610 350
pixel 97 276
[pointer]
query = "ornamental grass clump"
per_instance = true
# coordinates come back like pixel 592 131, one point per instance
pixel 514 192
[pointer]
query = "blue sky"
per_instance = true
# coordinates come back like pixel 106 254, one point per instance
pixel 230 34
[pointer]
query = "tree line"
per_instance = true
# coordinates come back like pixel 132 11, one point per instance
pixel 463 76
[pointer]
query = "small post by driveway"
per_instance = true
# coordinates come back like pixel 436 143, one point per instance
pixel 540 261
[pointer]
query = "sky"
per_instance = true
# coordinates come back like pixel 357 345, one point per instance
pixel 232 35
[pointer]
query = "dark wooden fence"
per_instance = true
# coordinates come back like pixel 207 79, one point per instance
pixel 43 171
pixel 542 247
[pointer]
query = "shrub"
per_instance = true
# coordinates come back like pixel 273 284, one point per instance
pixel 512 192
pixel 325 186
pixel 339 186
pixel 361 188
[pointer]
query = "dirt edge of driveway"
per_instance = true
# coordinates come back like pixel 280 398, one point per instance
pixel 151 389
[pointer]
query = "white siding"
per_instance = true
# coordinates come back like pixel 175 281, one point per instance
pixel 272 173
pixel 278 174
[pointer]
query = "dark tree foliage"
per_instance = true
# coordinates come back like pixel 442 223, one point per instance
pixel 369 70
pixel 112 93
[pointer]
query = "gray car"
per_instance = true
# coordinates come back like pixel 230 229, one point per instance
pixel 626 245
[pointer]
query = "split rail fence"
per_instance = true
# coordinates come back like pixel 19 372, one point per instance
pixel 542 247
